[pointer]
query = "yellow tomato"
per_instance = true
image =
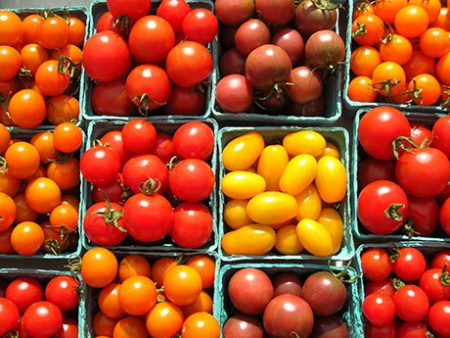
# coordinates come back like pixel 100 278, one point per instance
pixel 271 165
pixel 242 185
pixel 331 179
pixel 299 173
pixel 314 237
pixel 272 207
pixel 332 221
pixel 331 150
pixel 243 151
pixel 309 203
pixel 251 240
pixel 287 241
pixel 235 214
pixel 304 142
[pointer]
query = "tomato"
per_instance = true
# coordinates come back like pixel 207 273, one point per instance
pixel 160 267
pixel 441 139
pixel 389 79
pixel 114 192
pixel 5 243
pixel 11 28
pixel 387 10
pixel 43 142
pixel 65 174
pixel 425 89
pixel 251 240
pixel 151 39
pixel 53 33
pixel 50 80
pixel 139 136
pixel 193 225
pixel 200 325
pixel 137 295
pixel 434 42
pixel 174 11
pixel 443 68
pixel 331 173
pixel 413 330
pixel 22 159
pixel 62 291
pixel 388 331
pixel 69 329
pixel 23 211
pixel 371 170
pixel 114 139
pixel 439 316
pixel 309 203
pixel 368 29
pixel 411 303
pixel 188 63
pixel 415 167
pixel 419 63
pixel 304 142
pixel 27 238
pixel 64 215
pixel 433 282
pixel 444 216
pixel 185 101
pixel 164 320
pixel 410 264
pixel 379 309
pixel 315 238
pixel 148 87
pixel 10 61
pixel 391 121
pixel 42 319
pixel 111 98
pixel 200 25
pixel 360 89
pixel 376 264
pixel 363 60
pixel 202 304
pixel 287 242
pixel 134 9
pixel 148 218
pixel 31 25
pixel 164 147
pixel 69 51
pixel 384 287
pixel 396 48
pixel 77 30
pixel 5 138
pixel 235 214
pixel 182 285
pixel 9 313
pixel 432 7
pixel 130 327
pixel 205 266
pixel 98 267
pixel 33 55
pixel 106 56
pixel 9 185
pixel 68 137
pixel 442 19
pixel 103 325
pixel 191 180
pixel 294 184
pixel 242 184
pixel 193 140
pixel 423 212
pixel 9 87
pixel 100 165
pixel 7 211
pixel 440 259
pixel 27 108
pixel 42 195
pixel 411 21
pixel 272 207
pixel 24 291
pixel 62 108
pixel 332 221
pixel 134 265
pixel 242 152
pixel 382 207
pixel 271 164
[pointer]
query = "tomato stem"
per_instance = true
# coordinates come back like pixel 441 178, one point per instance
pixel 397 283
pixel 151 186
pixel 144 101
pixel 111 216
pixel 402 142
pixel 3 165
pixel 445 276
pixel 325 5
pixel 393 212
pixel 173 162
pixel 416 93
pixel 409 230
pixel 385 85
pixel 52 246
pixel 295 334
pixel 74 264
pixel 360 31
pixel 125 23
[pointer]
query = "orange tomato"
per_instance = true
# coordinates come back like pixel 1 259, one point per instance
pixel 41 172
pixel 418 63
pixel 44 144
pixel 72 52
pixel 202 304
pixel 182 285
pixel 9 87
pixel 130 327
pixel 387 9
pixel 22 159
pixel 62 108
pixel 108 301
pixel 24 213
pixel 443 19
pixel 50 80
pixel 435 42
pixel 7 211
pixel 42 195
pixel 137 295
pixel 432 7
pixel 27 238
pixel 361 8
pixel 64 215
pixel 77 29
pixel 396 48
pixel 71 200
pixel 411 21
pixel 33 55
pixel 200 325
pixel 66 174
pixel 389 79
pixel 27 108
pixel 5 242
pixel 443 69
pixel 11 28
pixel 164 320
pixel 53 33
pixel 10 63
pixel 9 184
pixel 368 30
pixel 363 60
pixel 360 90
pixel 103 325
pixel 5 138
pixel 205 266
pixel 425 88
pixel 67 137
pixel 134 265
pixel 160 267
pixel 30 28
pixel 98 267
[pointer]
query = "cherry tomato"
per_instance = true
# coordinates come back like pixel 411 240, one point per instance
pixel 425 89
pixel 413 330
pixel 111 98
pixel 10 61
pixel 371 170
pixel 411 21
pixel 387 331
pixel 33 55
pixel 53 33
pixel 433 282
pixel 77 30
pixel 31 25
pixel 411 303
pixel 11 28
pixel 27 238
pixel 9 313
pixel 137 295
pixel 389 79
pixel 441 139
pixel 368 29
pixel 100 165
pixel 68 137
pixel 134 9
pixel 130 327
pixel 376 264
pixel 439 316
pixel 62 291
pixel 103 325
pixel 384 287
pixel 387 10
pixel 134 265
pixel 396 48
pixel 62 108
pixel 106 22
pixel 379 309
pixel 8 211
pixel 205 266
pixel 108 301
pixel 363 60
pixel 22 159
pixel 174 11
pixel 99 267
pixel 164 147
pixel 69 329
pixel 200 25
pixel 442 19
pixel 193 140
pixel 423 212
pixel 444 216
pixel 360 89
pixel 200 325
pixel 65 174
pixel 139 136
pixel 114 139
pixel 42 195
pixel 410 264
pixel 432 7
pixel 182 285
pixel 441 259
pixel 419 63
pixel 164 320
pixel 9 185
pixel 27 108
pixel 24 291
pixel 42 319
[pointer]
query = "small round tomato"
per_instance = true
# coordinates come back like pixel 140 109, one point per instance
pixel 182 285
pixel 384 287
pixel 164 147
pixel 43 142
pixel 69 329
pixel 139 136
pixel 200 325
pixel 99 267
pixel 68 137
pixel 432 283
pixel 27 238
pixel 53 33
pixel 364 59
pixel 103 325
pixel 114 139
pixel 425 89
pixel 396 48
pixel 42 319
pixel 62 108
pixel 130 327
pixel 24 291
pixel 22 159
pixel 9 313
pixel 164 320
pixel 411 21
pixel 200 25
pixel 443 69
pixel 368 30
pixel 379 309
pixel 389 79
pixel 205 266
pixel 27 108
pixel 441 259
pixel 376 264
pixel 7 211
pixel 419 63
pixel 9 185
pixel 11 28
pixel 64 215
pixel 193 140
pixel 5 242
pixel 442 19
pixel 432 7
pixel 108 301
pixel 42 195
pixel 411 303
pixel 65 174
pixel 77 30
pixel 202 304
pixel 439 317
pixel 410 264
pixel 242 152
pixel 444 216
pixel 160 267
pixel 111 98
pixel 441 138
pixel 31 25
pixel 24 213
pixel 434 42
pixel 185 101
pixel 33 55
pixel 69 51
pixel 134 9
pixel 387 10
pixel 50 80
pixel 174 11
pixel 360 89
pixel 100 165
pixel 10 62
pixel 137 295
pixel 62 291
pixel 134 265
pixel 387 331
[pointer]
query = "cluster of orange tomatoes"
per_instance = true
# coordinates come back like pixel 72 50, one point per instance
pixel 39 180
pixel 161 299
pixel 40 58
pixel 402 52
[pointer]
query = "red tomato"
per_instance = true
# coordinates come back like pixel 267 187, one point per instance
pixel 106 23
pixel 413 330
pixel 24 291
pixel 421 134
pixel 439 317
pixel 148 218
pixel 69 329
pixel 100 165
pixel 373 170
pixel 42 319
pixel 410 264
pixel 433 282
pixel 111 98
pixel 386 331
pixel 174 11
pixel 379 309
pixel 193 225
pixel 139 136
pixel 134 9
pixel 444 216
pixel 114 139
pixel 441 259
pixel 423 212
pixel 200 25
pixel 185 101
pixel 411 303
pixel 193 140
pixel 382 207
pixel 63 292
pixel 376 264
pixel 9 314
pixel 164 147
pixel 114 191
pixel 441 137
pixel 384 287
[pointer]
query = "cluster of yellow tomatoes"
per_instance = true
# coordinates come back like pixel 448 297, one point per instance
pixel 282 196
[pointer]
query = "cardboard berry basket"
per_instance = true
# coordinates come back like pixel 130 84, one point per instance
pixel 74 248
pixel 97 8
pixel 274 135
pixel 44 276
pixel 351 313
pixel 96 129
pixel 353 106
pixel 91 299
pixel 358 155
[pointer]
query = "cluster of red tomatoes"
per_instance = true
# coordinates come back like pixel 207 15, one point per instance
pixel 28 309
pixel 39 180
pixel 404 180
pixel 40 59
pixel 136 171
pixel 267 66
pixel 163 57
pixel 403 54
pixel 286 304
pixel 405 286
pixel 161 299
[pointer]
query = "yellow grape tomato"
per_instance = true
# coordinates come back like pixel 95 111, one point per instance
pixel 287 241
pixel 272 207
pixel 235 214
pixel 315 238
pixel 331 150
pixel 242 185
pixel 304 142
pixel 251 240
pixel 309 203
pixel 332 221
pixel 299 173
pixel 243 151
pixel 272 162
pixel 331 179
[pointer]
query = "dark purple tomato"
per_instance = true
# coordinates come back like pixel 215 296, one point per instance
pixel 312 108
pixel 324 293
pixel 250 291
pixel 266 66
pixel 305 85
pixel 274 103
pixel 291 41
pixel 275 12
pixel 286 314
pixel 324 49
pixel 185 101
pixel 250 35
pixel 240 326
pixel 232 62
pixel 330 327
pixel 371 170
pixel 287 282
pixel 312 16
pixel 234 12
pixel 234 94
pixel 424 213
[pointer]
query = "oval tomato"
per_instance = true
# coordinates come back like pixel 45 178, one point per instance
pixel 271 165
pixel 272 207
pixel 242 152
pixel 241 185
